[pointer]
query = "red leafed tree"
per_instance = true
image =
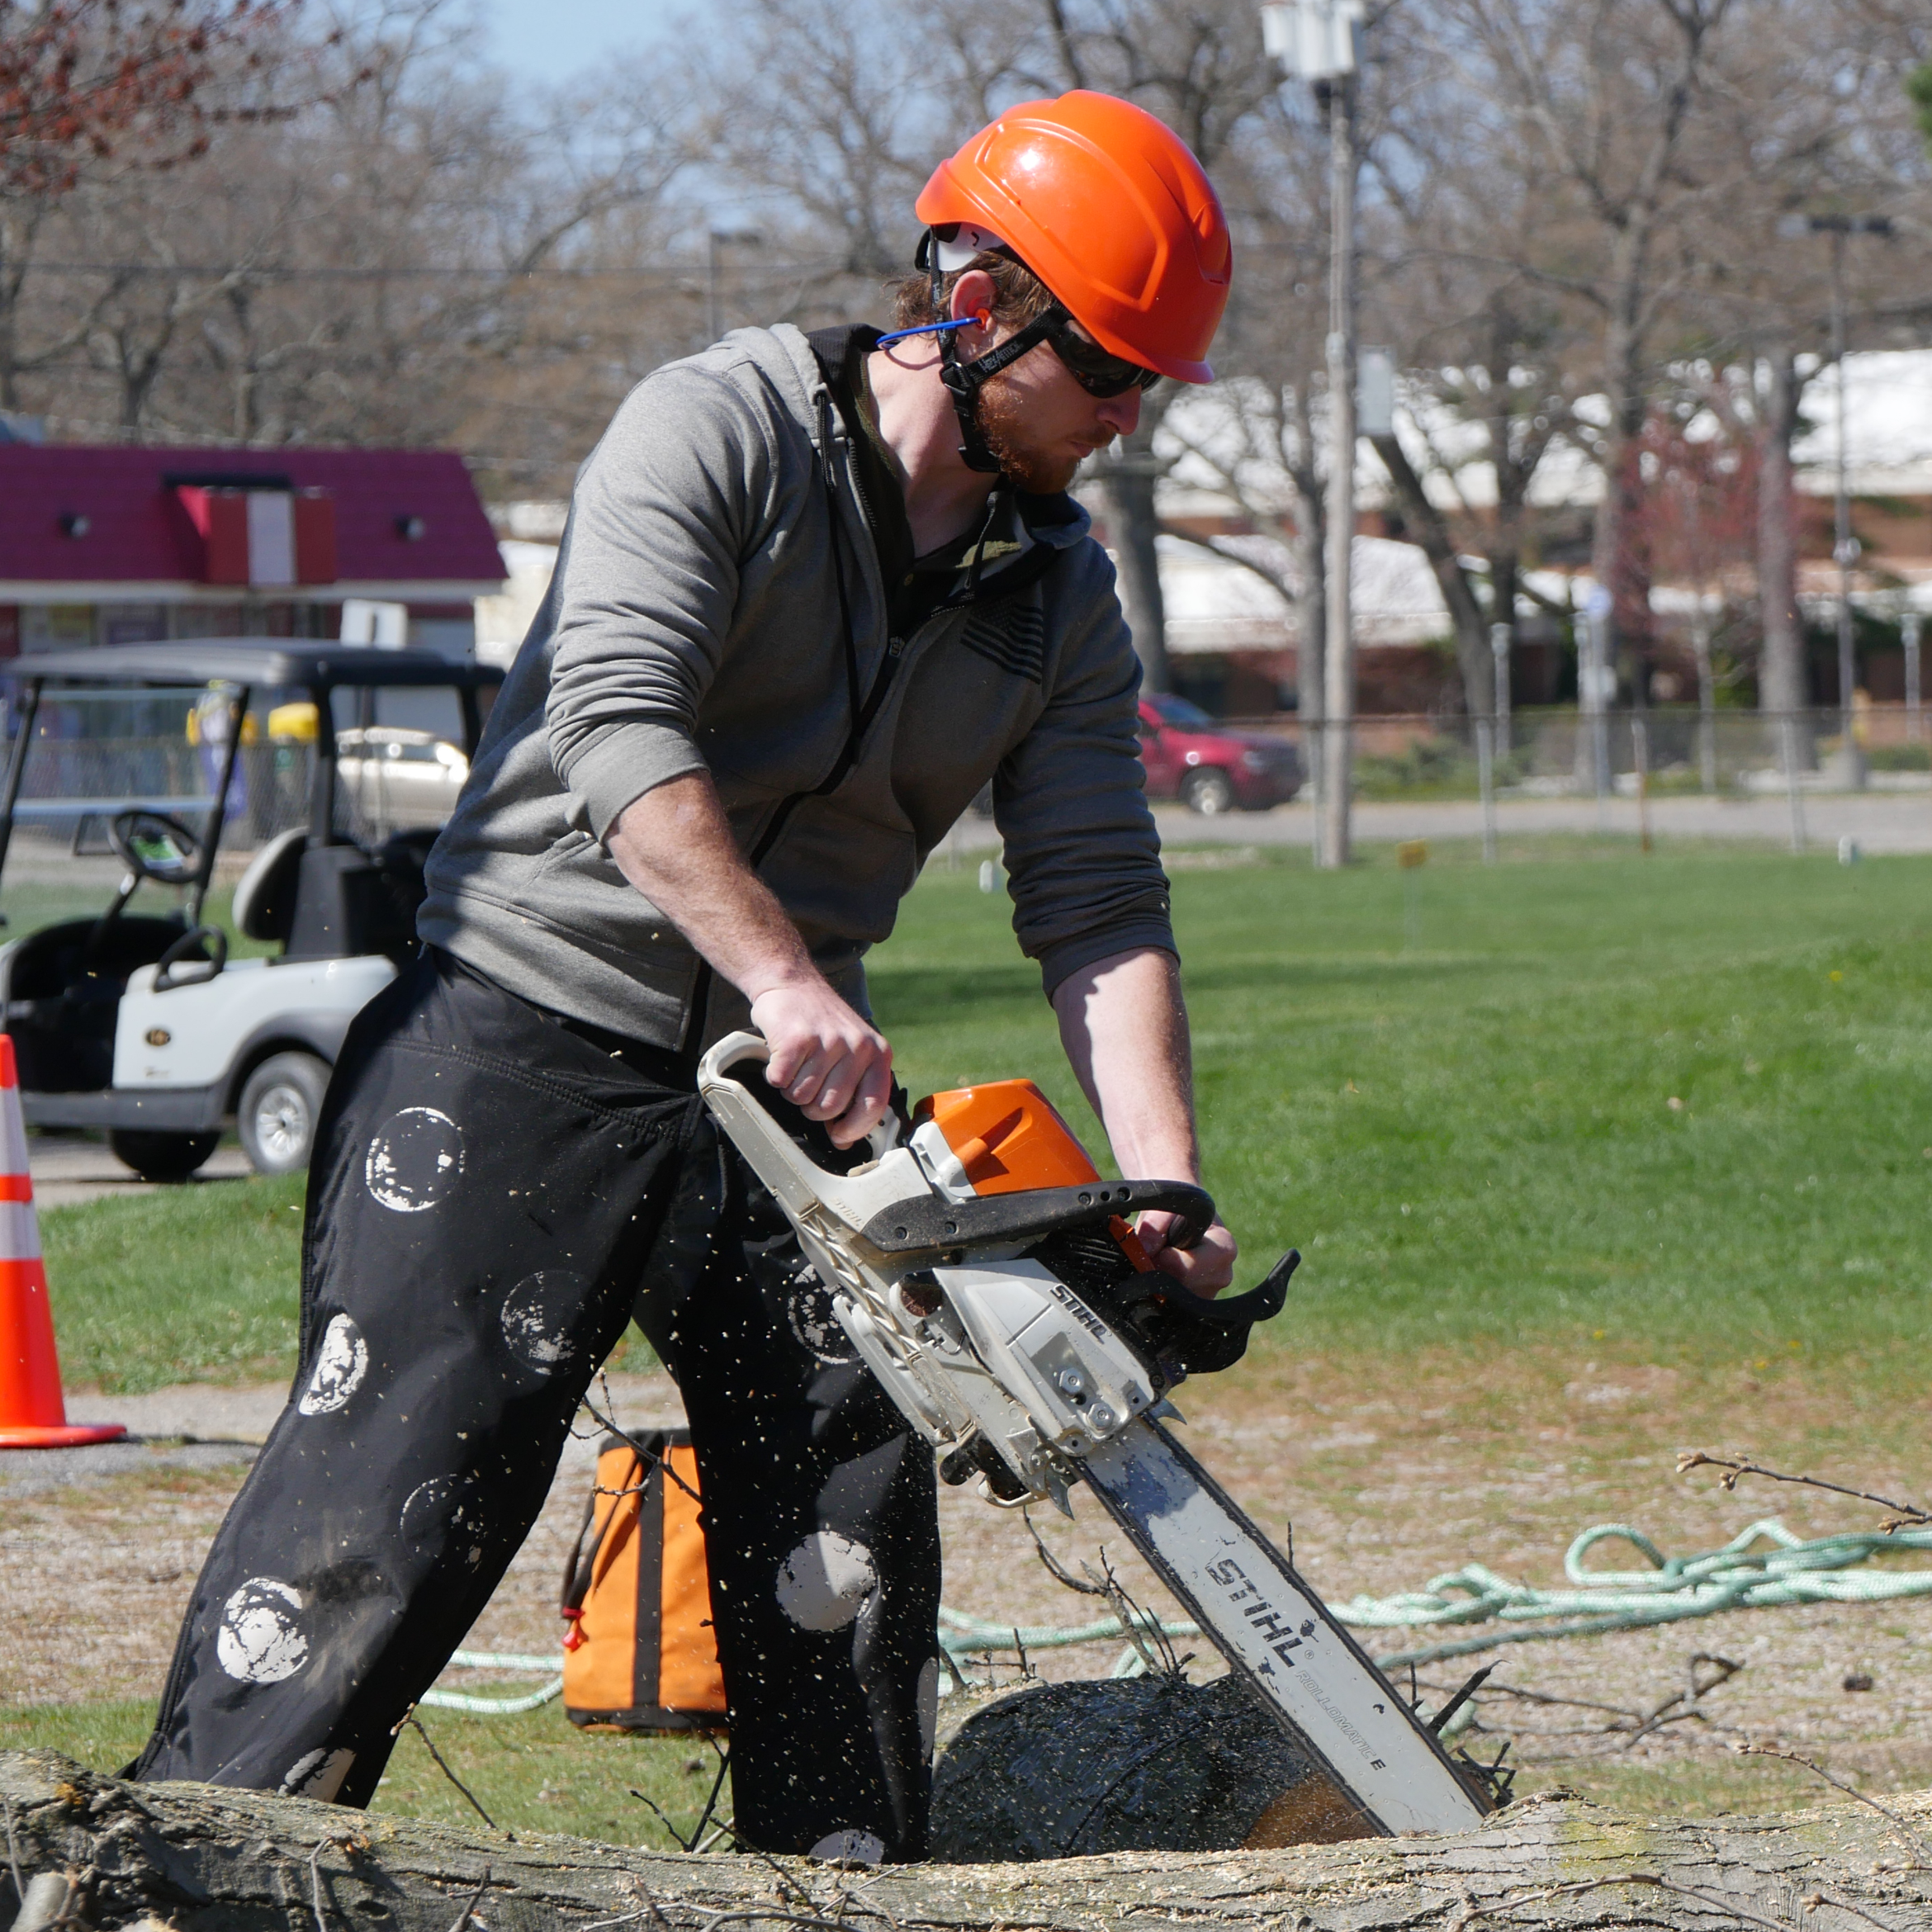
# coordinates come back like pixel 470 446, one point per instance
pixel 1698 522
pixel 83 81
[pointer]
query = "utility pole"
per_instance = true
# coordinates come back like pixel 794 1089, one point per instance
pixel 1845 546
pixel 1908 631
pixel 1317 41
pixel 1338 725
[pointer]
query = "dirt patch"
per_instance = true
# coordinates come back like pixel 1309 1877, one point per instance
pixel 1383 1475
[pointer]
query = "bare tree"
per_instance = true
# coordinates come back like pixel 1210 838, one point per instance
pixel 1596 106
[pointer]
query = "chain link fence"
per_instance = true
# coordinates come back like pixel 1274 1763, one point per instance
pixel 94 753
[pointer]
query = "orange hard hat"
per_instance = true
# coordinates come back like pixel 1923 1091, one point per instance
pixel 1106 205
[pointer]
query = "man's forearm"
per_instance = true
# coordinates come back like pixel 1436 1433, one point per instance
pixel 1125 1032
pixel 674 845
pixel 1125 1029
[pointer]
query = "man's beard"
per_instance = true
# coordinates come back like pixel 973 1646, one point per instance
pixel 1002 422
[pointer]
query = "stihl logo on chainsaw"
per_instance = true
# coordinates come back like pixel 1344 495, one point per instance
pixel 1268 1624
pixel 1079 1309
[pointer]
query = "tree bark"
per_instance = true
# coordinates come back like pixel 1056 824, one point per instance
pixel 208 1859
pixel 1127 477
pixel 1473 655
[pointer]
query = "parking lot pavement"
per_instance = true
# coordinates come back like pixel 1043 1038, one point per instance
pixel 70 1167
pixel 1879 822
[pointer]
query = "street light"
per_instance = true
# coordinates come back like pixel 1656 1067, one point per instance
pixel 1845 546
pixel 715 239
pixel 1320 41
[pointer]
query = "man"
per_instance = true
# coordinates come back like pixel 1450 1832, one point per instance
pixel 814 593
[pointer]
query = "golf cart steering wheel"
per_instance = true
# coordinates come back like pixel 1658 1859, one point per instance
pixel 152 845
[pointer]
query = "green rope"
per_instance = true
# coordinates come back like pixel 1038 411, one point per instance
pixel 444 1700
pixel 1740 1576
pixel 1737 1577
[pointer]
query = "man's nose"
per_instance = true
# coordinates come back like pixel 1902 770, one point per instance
pixel 1121 414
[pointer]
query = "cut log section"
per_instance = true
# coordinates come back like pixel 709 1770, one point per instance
pixel 205 1859
pixel 1151 1763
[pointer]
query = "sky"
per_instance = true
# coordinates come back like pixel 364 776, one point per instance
pixel 552 39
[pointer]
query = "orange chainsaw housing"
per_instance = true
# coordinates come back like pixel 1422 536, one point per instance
pixel 1010 1138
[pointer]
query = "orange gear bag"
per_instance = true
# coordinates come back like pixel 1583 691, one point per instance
pixel 641 1653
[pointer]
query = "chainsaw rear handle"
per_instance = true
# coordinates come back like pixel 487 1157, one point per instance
pixel 928 1227
pixel 738 1050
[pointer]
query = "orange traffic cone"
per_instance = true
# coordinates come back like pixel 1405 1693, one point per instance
pixel 32 1415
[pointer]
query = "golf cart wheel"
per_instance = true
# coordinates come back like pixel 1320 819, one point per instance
pixel 1208 792
pixel 161 1157
pixel 279 1105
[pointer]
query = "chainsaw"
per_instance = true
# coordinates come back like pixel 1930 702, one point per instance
pixel 991 1280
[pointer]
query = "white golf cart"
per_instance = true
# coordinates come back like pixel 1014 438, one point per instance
pixel 143 1025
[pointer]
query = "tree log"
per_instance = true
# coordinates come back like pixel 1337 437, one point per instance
pixel 207 1859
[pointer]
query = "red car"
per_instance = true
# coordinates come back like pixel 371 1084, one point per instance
pixel 1210 770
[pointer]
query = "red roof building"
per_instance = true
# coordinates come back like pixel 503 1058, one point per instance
pixel 107 545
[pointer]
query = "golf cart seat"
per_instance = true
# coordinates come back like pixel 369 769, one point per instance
pixel 349 902
pixel 60 990
pixel 265 896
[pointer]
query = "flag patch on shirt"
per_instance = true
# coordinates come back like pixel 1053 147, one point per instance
pixel 1011 635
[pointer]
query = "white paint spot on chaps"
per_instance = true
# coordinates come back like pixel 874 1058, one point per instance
pixel 415 1161
pixel 537 1316
pixel 813 1323
pixel 825 1582
pixel 444 1516
pixel 319 1775
pixel 340 1363
pixel 258 1641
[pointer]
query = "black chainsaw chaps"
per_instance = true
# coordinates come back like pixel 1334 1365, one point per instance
pixel 495 1192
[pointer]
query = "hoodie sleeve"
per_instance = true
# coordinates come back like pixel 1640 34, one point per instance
pixel 1083 859
pixel 646 585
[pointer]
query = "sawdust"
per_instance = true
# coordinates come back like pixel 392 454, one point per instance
pixel 1385 1475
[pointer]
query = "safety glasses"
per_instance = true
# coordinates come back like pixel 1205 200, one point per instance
pixel 1097 371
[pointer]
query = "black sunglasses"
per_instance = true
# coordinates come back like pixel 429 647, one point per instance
pixel 1097 371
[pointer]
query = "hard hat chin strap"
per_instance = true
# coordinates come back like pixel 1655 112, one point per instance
pixel 965 380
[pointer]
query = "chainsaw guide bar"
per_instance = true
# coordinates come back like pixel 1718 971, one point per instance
pixel 988 1277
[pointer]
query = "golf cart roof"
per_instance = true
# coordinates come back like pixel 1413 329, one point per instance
pixel 278 663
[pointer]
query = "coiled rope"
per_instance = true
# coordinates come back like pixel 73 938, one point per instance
pixel 1737 1577
pixel 1740 1576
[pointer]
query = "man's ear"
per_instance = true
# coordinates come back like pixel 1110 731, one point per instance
pixel 974 294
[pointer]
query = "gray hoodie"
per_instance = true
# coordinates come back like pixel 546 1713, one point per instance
pixel 694 623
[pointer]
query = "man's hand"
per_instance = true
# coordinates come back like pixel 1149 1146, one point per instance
pixel 825 1059
pixel 1204 1269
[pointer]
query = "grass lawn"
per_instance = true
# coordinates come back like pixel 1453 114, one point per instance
pixel 1679 1103
pixel 1674 1103
pixel 195 1284
pixel 535 1772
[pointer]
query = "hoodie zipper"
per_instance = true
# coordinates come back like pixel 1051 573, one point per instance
pixel 861 711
